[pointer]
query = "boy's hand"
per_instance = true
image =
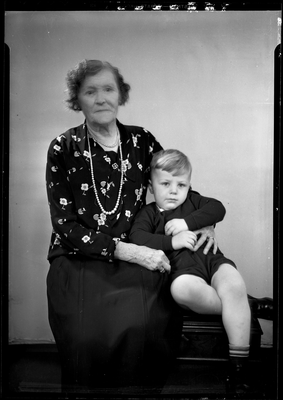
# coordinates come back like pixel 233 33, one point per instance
pixel 185 239
pixel 175 226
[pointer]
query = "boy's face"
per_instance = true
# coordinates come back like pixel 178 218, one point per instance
pixel 169 190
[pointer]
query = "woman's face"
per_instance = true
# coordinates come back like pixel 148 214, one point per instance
pixel 99 98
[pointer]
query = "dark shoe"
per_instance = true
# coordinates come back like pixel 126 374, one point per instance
pixel 236 382
pixel 261 308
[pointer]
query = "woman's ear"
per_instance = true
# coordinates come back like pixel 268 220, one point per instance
pixel 77 106
pixel 150 186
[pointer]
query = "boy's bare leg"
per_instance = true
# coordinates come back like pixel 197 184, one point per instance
pixel 226 296
pixel 192 292
pixel 236 314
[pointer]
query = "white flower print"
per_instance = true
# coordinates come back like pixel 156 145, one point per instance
pixel 57 240
pixel 126 165
pixel 56 148
pixel 150 149
pixel 54 168
pixel 64 202
pixel 71 170
pixel 103 216
pixel 105 187
pixel 128 214
pixel 84 188
pixel 76 154
pixel 139 165
pixel 86 154
pixel 107 159
pixel 101 219
pixel 104 252
pixel 138 193
pixel 59 138
pixel 115 166
pixel 86 239
pixel 109 185
pixel 135 140
pixel 61 221
pixel 81 211
pixel 75 138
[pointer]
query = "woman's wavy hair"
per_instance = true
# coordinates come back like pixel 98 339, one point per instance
pixel 171 160
pixel 76 76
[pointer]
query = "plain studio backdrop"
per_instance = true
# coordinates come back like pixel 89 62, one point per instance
pixel 202 82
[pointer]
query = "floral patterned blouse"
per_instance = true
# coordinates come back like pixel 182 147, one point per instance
pixel 79 225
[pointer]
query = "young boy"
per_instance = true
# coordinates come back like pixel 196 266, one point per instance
pixel 205 284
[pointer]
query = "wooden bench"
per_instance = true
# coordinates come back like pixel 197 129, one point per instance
pixel 204 338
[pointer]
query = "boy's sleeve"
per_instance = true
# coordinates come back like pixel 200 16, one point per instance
pixel 143 231
pixel 207 211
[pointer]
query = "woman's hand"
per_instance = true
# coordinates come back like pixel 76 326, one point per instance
pixel 175 226
pixel 154 260
pixel 208 234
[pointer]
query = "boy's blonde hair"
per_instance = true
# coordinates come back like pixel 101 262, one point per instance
pixel 173 161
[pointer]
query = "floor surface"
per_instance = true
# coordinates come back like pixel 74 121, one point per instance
pixel 34 374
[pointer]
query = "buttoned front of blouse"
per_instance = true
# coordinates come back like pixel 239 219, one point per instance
pixel 79 226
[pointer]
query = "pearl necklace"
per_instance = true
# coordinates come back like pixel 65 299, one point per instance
pixel 111 146
pixel 94 186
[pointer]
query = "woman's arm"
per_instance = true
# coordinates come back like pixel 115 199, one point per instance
pixel 154 260
pixel 67 229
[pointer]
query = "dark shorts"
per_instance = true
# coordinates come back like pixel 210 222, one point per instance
pixel 196 263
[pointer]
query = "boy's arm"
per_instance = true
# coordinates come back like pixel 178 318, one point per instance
pixel 197 212
pixel 143 231
pixel 208 211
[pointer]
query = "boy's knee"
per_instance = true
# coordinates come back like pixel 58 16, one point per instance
pixel 179 290
pixel 236 289
pixel 185 289
pixel 227 281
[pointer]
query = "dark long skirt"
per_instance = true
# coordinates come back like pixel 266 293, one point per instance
pixel 114 323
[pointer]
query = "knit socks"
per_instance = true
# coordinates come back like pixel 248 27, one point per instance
pixel 238 352
pixel 237 379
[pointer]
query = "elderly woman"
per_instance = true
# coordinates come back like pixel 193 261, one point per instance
pixel 110 309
